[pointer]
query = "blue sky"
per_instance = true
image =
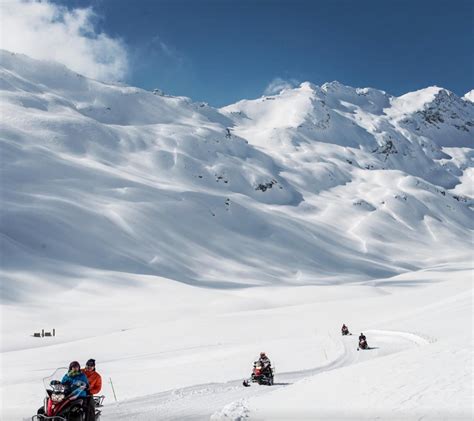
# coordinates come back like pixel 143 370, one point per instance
pixel 221 51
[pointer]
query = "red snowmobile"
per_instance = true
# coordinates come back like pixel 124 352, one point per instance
pixel 261 375
pixel 63 403
pixel 363 344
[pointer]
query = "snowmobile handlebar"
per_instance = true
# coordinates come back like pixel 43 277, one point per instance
pixel 46 418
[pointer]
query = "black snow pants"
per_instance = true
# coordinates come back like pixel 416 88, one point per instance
pixel 90 408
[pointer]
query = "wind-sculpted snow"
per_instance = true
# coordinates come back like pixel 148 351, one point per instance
pixel 315 185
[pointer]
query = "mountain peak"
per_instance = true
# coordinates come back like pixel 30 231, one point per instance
pixel 412 102
pixel 335 86
pixel 469 96
pixel 307 86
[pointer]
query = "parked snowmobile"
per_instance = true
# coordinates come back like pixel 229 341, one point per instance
pixel 63 403
pixel 261 375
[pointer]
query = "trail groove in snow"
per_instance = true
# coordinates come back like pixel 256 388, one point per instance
pixel 224 401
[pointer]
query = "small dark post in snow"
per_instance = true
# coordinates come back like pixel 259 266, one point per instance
pixel 42 333
pixel 54 332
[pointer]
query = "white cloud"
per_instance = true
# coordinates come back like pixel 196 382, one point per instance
pixel 278 84
pixel 51 32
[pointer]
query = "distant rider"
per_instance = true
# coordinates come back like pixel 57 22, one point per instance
pixel 345 330
pixel 264 361
pixel 95 385
pixel 362 337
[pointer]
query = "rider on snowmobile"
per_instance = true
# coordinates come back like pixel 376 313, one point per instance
pixel 362 337
pixel 95 385
pixel 94 378
pixel 344 329
pixel 264 361
pixel 75 379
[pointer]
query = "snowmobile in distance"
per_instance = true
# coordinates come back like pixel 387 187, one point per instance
pixel 63 403
pixel 345 330
pixel 261 375
pixel 363 343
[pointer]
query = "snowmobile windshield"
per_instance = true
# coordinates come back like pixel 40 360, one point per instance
pixel 54 380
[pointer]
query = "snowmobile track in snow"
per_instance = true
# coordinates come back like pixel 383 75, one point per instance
pixel 200 402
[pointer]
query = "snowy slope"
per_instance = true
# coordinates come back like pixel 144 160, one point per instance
pixel 311 185
pixel 163 236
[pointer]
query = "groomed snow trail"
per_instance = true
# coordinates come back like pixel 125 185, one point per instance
pixel 227 400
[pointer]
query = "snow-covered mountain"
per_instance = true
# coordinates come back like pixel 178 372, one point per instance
pixel 311 185
pixel 469 96
pixel 132 221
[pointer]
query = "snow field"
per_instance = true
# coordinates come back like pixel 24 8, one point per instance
pixel 190 364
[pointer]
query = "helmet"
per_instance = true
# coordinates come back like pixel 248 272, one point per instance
pixel 90 362
pixel 262 354
pixel 74 364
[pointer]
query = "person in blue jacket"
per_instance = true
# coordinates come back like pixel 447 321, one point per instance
pixel 76 380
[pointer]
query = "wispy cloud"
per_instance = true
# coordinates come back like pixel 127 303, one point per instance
pixel 159 48
pixel 51 32
pixel 157 63
pixel 278 84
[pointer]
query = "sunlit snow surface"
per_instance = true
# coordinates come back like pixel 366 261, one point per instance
pixel 173 241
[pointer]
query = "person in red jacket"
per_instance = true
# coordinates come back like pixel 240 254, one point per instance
pixel 95 385
pixel 95 380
